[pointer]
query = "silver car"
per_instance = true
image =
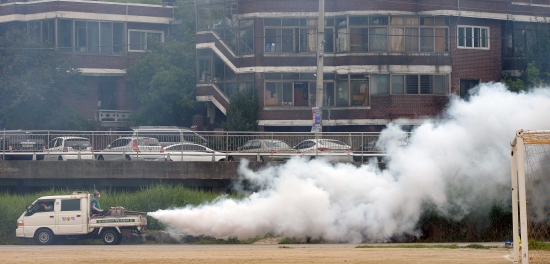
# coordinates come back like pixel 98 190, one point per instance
pixel 264 150
pixel 133 148
pixel 188 151
pixel 66 148
pixel 331 148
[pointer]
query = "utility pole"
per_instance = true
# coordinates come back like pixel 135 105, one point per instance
pixel 320 57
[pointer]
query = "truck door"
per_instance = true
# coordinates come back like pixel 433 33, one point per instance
pixel 71 218
pixel 38 216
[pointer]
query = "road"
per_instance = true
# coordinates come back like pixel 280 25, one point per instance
pixel 301 253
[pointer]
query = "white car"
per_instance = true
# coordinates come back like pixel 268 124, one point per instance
pixel 69 148
pixel 133 148
pixel 188 151
pixel 330 148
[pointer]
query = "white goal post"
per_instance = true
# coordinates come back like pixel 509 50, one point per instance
pixel 530 166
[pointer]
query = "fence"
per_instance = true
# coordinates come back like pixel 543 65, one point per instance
pixel 227 142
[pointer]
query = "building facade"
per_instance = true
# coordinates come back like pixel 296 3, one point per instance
pixel 104 39
pixel 383 60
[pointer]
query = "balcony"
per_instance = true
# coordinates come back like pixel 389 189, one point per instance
pixel 112 118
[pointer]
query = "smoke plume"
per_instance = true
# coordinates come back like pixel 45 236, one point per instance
pixel 458 163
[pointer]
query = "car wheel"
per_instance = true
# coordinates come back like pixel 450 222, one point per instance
pixel 100 157
pixel 230 158
pixel 59 158
pixel 261 158
pixel 128 157
pixel 312 158
pixel 44 237
pixel 110 237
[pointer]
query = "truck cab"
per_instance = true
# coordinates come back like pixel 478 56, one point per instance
pixel 71 217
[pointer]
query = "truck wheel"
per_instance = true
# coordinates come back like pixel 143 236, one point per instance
pixel 59 158
pixel 110 237
pixel 100 157
pixel 44 237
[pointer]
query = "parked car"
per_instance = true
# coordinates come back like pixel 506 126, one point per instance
pixel 70 147
pixel 192 152
pixel 268 150
pixel 15 142
pixel 373 150
pixel 133 148
pixel 169 135
pixel 330 148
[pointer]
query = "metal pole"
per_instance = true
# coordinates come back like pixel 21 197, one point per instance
pixel 320 55
pixel 515 224
pixel 522 199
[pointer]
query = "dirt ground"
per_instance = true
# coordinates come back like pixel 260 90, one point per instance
pixel 204 254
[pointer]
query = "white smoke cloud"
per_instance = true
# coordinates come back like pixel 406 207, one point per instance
pixel 460 163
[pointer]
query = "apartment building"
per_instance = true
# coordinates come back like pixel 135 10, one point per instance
pixel 103 38
pixel 383 60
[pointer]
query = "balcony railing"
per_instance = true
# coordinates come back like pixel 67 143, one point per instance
pixel 112 118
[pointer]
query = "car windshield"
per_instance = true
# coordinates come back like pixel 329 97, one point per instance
pixel 276 144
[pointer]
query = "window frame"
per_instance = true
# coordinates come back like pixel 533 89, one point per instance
pixel 299 39
pixel 464 39
pixel 144 44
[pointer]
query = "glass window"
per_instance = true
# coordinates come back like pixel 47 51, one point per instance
pixel 378 39
pixel 359 92
pixel 380 83
pixel 397 84
pixel 441 39
pixel 288 40
pixel 272 40
pixel 343 93
pixel 329 40
pixel 278 94
pixel 359 39
pixel 440 84
pixel 106 37
pixel 65 35
pixel 397 39
pixel 426 84
pixel 70 205
pixel 93 37
pixel 411 39
pixel 359 20
pixel 118 38
pixel 138 39
pixel 81 38
pixel 328 94
pixel 426 40
pixel 204 71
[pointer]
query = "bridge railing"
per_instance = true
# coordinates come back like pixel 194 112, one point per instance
pixel 226 142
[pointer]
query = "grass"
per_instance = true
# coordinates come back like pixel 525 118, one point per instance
pixel 538 245
pixel 451 246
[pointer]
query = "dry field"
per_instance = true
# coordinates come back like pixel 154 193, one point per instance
pixel 204 254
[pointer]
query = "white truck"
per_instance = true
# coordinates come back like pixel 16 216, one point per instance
pixel 72 217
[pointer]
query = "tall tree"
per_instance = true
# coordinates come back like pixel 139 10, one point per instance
pixel 164 76
pixel 242 114
pixel 35 81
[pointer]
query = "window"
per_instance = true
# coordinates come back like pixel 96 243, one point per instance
pixel 397 84
pixel 290 35
pixel 473 37
pixel 138 39
pixel 466 86
pixel 70 205
pixel 87 36
pixel 279 94
pixel 380 83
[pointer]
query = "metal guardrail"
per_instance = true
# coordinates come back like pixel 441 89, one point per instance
pixel 225 142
